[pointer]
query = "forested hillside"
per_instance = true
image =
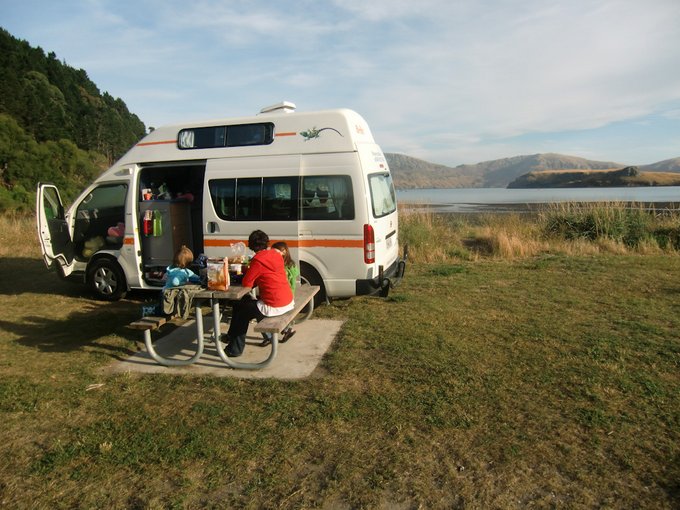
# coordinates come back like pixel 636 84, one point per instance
pixel 55 124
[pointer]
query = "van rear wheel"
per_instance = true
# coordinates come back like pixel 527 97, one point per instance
pixel 106 278
pixel 310 276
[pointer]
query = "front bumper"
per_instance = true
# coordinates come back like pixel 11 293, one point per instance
pixel 387 278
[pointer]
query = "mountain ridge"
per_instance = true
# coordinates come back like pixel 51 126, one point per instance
pixel 409 172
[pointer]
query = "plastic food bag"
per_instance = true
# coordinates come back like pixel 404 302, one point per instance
pixel 238 253
pixel 218 274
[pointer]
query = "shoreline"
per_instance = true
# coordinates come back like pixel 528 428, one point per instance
pixel 530 207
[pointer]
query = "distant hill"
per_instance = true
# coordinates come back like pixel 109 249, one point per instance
pixel 625 177
pixel 667 165
pixel 410 172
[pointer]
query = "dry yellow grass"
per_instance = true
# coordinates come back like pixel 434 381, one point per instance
pixel 431 237
pixel 436 238
pixel 18 237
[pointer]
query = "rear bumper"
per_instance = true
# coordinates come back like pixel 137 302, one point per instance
pixel 386 279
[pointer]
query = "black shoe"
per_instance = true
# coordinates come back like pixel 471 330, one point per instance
pixel 233 355
pixel 287 335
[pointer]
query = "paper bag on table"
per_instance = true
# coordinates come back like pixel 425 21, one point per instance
pixel 218 274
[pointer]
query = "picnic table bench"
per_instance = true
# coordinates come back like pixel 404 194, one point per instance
pixel 304 302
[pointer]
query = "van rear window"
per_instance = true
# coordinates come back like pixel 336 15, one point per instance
pixel 383 197
pixel 327 197
pixel 240 135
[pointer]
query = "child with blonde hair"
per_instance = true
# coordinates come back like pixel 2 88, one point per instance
pixel 178 273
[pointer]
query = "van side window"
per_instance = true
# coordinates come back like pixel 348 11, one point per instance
pixel 239 135
pixel 280 198
pixel 223 196
pixel 382 194
pixel 327 197
pixel 323 197
pixel 248 199
pixel 250 134
pixel 101 209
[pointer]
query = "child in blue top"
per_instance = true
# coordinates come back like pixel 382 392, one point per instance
pixel 178 274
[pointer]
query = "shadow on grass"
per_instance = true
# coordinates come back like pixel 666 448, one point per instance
pixel 80 329
pixel 85 326
pixel 22 275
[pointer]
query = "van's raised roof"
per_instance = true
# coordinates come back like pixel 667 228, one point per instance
pixel 282 107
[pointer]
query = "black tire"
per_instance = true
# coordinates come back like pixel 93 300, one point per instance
pixel 310 276
pixel 107 280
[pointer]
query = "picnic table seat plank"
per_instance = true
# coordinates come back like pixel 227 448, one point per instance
pixel 303 295
pixel 148 323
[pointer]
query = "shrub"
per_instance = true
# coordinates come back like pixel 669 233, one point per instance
pixel 630 225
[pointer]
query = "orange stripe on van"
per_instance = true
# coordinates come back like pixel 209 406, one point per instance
pixel 142 144
pixel 302 243
pixel 328 243
pixel 129 240
pixel 286 134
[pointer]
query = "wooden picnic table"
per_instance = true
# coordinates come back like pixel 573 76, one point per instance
pixel 304 295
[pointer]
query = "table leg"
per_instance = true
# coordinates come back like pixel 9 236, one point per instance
pixel 171 362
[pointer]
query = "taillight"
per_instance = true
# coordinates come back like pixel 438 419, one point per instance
pixel 369 244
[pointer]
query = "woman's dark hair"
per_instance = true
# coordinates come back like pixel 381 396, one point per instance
pixel 258 241
pixel 283 248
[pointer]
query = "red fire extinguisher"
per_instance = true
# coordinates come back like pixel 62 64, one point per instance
pixel 147 223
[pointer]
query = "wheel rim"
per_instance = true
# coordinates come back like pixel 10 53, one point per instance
pixel 105 281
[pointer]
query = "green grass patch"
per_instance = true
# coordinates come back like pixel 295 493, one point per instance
pixel 547 381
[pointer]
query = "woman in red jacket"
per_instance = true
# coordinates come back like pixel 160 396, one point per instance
pixel 268 274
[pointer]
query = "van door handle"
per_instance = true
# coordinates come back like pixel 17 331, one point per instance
pixel 212 227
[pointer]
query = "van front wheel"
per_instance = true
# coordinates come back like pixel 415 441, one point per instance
pixel 105 277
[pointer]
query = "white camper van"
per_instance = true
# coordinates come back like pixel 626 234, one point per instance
pixel 316 180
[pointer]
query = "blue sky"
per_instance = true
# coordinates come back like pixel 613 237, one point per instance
pixel 449 81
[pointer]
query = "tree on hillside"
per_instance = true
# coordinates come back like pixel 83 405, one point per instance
pixel 43 108
pixel 51 100
pixel 24 162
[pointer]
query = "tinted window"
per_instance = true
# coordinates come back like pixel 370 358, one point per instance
pixel 52 205
pixel 208 137
pixel 327 197
pixel 248 199
pixel 280 198
pixel 249 134
pixel 382 194
pixel 104 198
pixel 226 136
pixel 102 208
pixel 223 195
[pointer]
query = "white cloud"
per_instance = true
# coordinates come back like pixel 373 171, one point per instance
pixel 448 79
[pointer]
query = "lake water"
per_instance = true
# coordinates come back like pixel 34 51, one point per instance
pixel 502 199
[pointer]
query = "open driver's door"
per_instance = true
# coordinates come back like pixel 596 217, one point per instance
pixel 53 231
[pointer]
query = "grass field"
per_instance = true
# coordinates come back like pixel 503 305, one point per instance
pixel 546 379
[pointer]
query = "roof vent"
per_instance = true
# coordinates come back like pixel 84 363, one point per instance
pixel 284 107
